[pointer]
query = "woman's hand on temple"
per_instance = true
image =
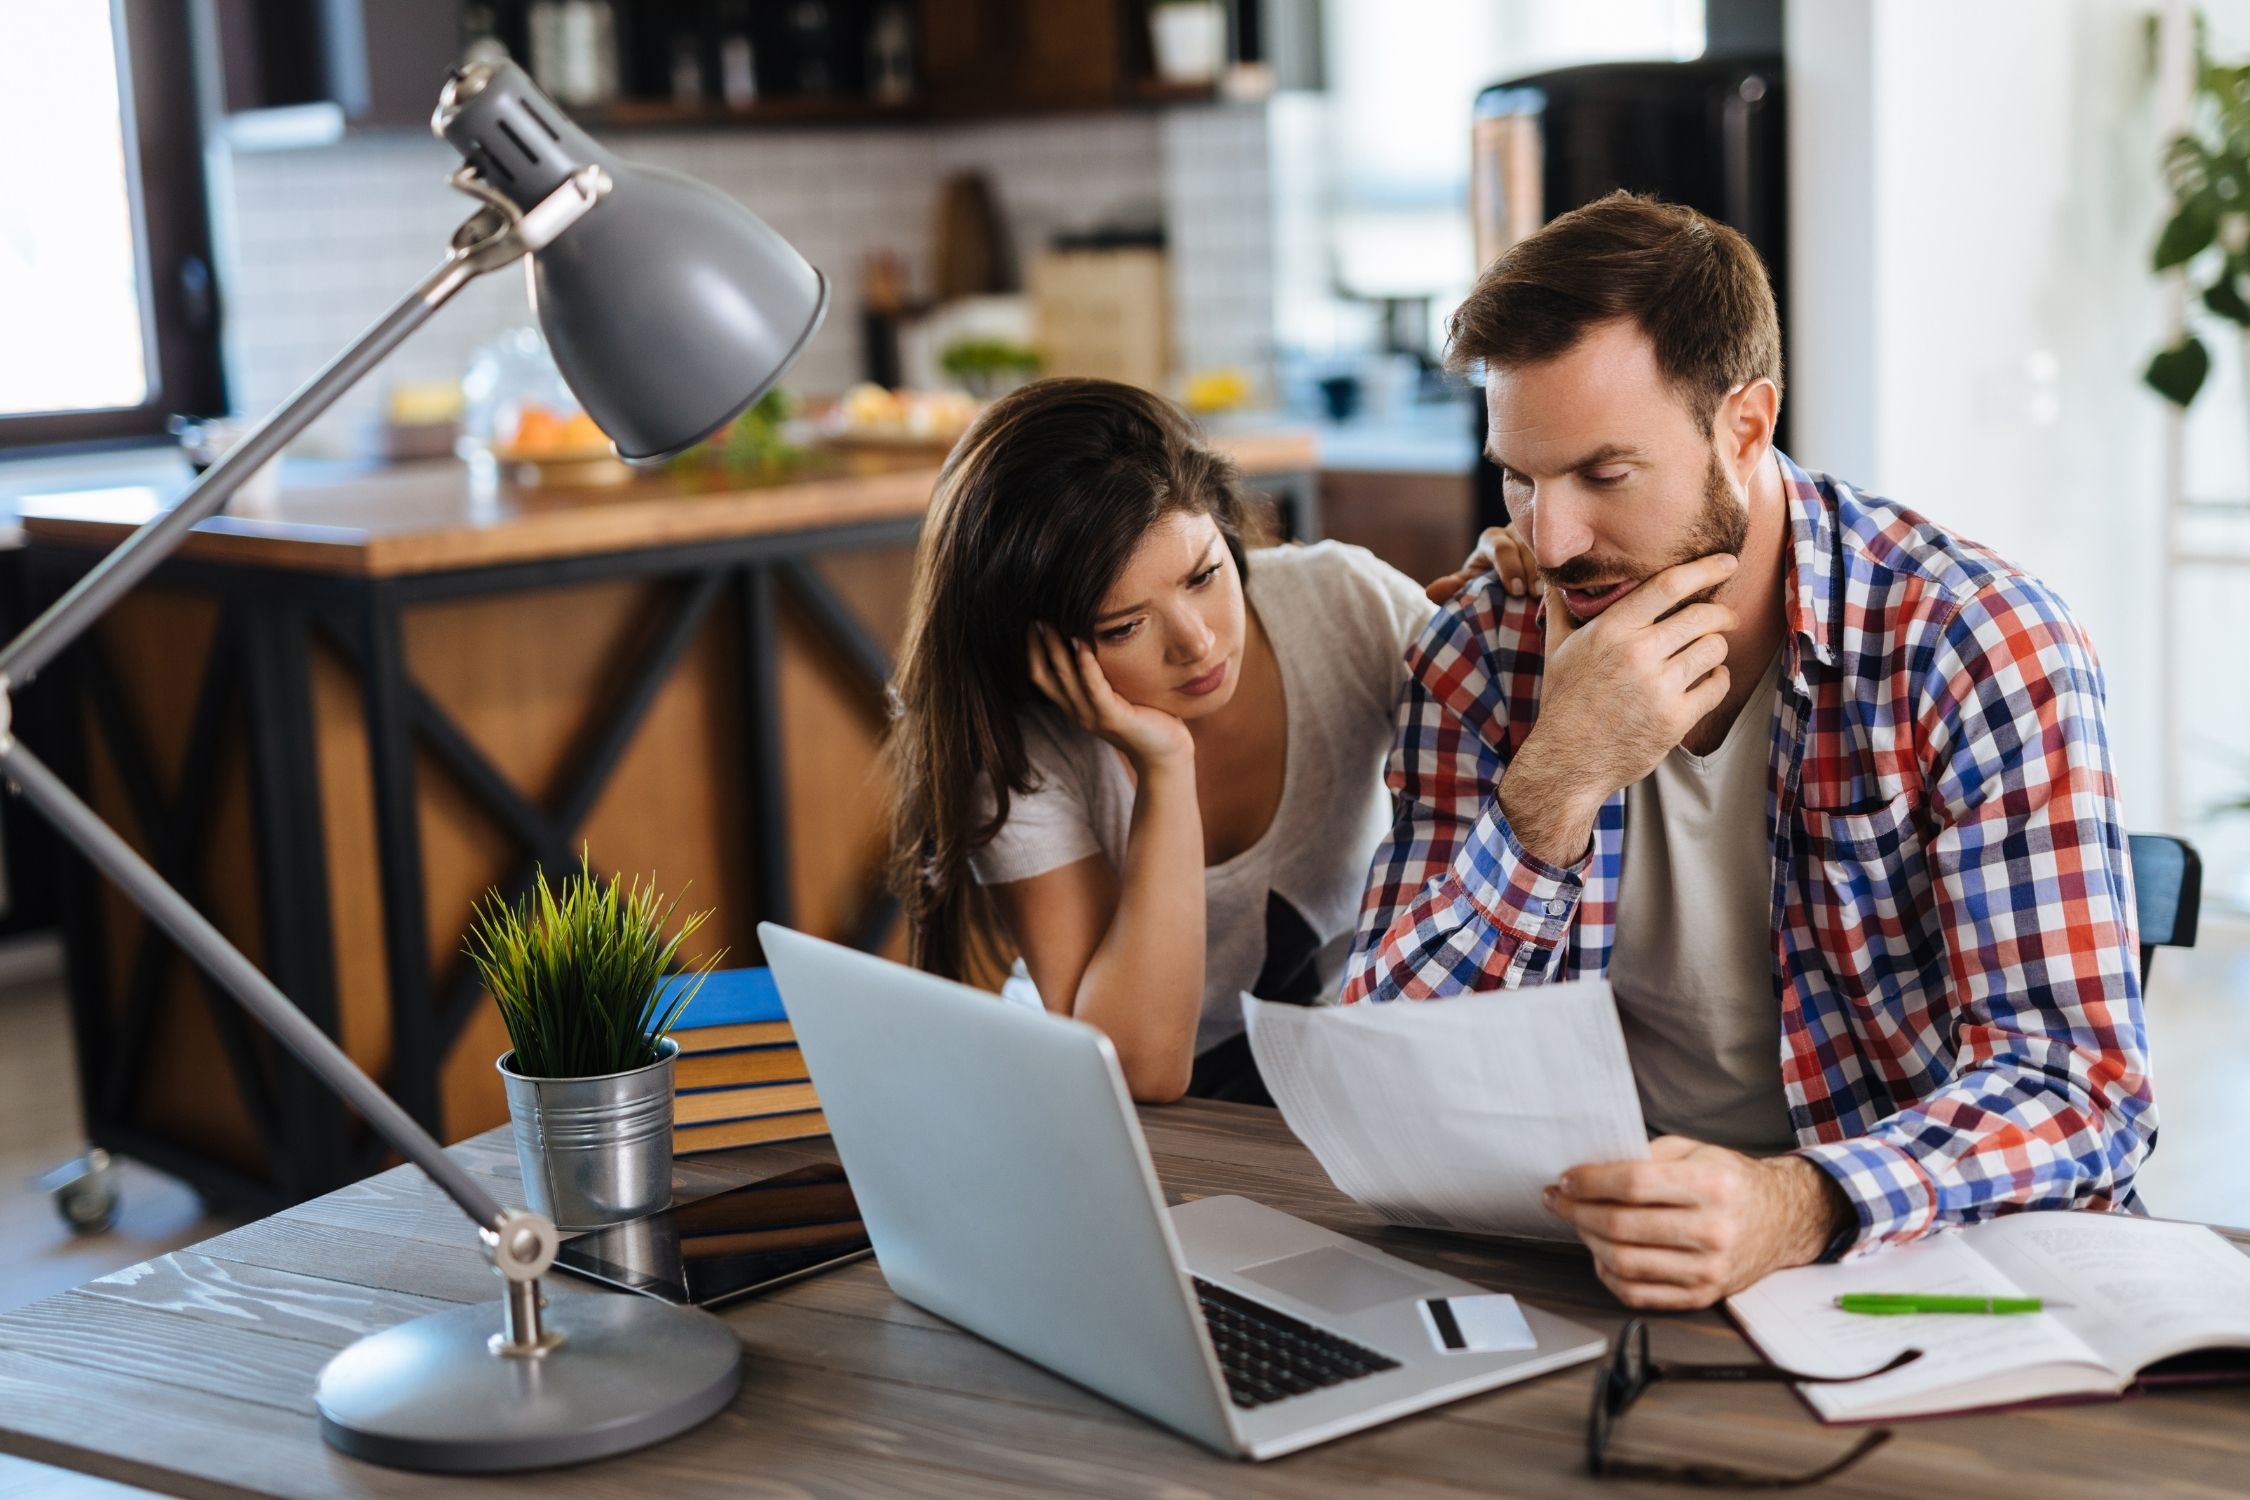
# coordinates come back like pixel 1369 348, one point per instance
pixel 1500 551
pixel 1071 677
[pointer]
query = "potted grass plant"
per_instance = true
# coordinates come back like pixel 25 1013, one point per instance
pixel 583 979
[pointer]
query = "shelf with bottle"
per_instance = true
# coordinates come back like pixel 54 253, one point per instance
pixel 666 114
pixel 681 64
pixel 689 61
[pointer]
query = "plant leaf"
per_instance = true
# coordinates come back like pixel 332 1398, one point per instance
pixel 2177 373
pixel 2224 297
pixel 2189 233
pixel 574 970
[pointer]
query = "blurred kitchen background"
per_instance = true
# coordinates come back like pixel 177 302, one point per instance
pixel 1265 208
pixel 1964 222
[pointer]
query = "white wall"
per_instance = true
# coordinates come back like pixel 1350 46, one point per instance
pixel 320 242
pixel 1831 321
pixel 1974 192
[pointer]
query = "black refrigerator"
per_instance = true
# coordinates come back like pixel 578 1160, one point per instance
pixel 1708 133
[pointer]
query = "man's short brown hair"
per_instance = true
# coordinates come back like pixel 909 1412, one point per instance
pixel 1693 285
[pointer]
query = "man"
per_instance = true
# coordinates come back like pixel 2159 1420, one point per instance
pixel 1821 788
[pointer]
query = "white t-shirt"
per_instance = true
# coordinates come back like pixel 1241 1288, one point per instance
pixel 1693 967
pixel 1278 917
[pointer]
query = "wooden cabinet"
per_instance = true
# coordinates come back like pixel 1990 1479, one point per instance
pixel 983 57
pixel 1073 54
pixel 961 48
pixel 293 72
pixel 1420 523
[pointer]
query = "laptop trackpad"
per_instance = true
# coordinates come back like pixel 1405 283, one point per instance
pixel 1335 1280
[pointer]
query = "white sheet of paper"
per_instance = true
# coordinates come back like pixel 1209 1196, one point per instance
pixel 1455 1113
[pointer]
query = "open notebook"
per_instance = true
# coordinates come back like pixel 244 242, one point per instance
pixel 2141 1293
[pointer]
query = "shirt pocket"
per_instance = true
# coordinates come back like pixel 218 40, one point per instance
pixel 1864 876
pixel 1852 836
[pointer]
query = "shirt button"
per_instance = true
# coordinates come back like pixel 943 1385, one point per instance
pixel 1557 906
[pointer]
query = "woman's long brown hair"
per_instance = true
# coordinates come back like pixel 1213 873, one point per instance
pixel 1038 509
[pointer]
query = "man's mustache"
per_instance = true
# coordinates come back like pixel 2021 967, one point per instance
pixel 1580 571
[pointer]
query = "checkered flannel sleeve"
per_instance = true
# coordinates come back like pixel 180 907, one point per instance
pixel 1453 902
pixel 2039 1001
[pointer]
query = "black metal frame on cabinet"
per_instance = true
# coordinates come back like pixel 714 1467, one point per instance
pixel 258 681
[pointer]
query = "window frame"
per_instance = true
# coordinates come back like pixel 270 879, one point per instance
pixel 173 221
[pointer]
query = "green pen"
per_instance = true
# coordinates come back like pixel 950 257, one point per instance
pixel 1892 1304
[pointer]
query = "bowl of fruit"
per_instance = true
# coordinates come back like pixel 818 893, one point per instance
pixel 522 419
pixel 869 416
pixel 551 446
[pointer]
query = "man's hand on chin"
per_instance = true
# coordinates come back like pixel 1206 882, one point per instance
pixel 1697 1222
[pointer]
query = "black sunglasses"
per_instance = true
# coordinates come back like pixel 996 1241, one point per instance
pixel 1631 1371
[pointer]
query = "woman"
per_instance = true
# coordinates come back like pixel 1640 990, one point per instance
pixel 1126 747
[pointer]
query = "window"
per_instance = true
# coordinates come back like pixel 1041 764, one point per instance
pixel 108 318
pixel 1399 126
pixel 1374 178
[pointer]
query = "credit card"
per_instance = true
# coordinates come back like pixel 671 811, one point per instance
pixel 1488 1323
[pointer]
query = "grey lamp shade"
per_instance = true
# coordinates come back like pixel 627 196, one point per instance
pixel 669 307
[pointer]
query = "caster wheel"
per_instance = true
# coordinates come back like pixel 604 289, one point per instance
pixel 85 1193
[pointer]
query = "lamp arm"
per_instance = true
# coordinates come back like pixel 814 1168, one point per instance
pixel 520 1244
pixel 132 560
pixel 189 928
pixel 496 235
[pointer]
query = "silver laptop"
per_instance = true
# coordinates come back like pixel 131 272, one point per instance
pixel 1000 1169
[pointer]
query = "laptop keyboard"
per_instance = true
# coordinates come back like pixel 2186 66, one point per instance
pixel 1269 1356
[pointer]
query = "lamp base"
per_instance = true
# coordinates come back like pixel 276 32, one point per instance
pixel 431 1394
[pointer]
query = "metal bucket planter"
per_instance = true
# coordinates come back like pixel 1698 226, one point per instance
pixel 594 1151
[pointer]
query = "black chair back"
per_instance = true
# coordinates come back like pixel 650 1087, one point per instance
pixel 2167 890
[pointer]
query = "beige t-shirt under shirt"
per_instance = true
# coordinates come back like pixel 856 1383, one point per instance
pixel 1693 963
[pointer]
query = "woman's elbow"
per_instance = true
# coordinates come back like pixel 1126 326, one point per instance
pixel 1158 1080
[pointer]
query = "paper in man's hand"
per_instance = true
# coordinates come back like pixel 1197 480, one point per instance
pixel 1455 1113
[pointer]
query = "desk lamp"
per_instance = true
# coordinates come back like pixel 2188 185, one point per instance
pixel 670 309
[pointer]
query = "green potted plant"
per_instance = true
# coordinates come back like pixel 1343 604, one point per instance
pixel 990 367
pixel 581 979
pixel 754 447
pixel 2207 168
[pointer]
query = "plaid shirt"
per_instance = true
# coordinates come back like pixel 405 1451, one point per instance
pixel 1953 930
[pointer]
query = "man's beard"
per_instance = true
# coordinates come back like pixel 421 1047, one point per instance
pixel 1722 525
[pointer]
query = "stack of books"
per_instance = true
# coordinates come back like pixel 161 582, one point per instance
pixel 740 1079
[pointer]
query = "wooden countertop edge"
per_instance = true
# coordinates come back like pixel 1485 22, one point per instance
pixel 625 524
pixel 628 525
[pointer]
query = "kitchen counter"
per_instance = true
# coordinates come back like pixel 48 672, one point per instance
pixel 337 720
pixel 1434 437
pixel 429 517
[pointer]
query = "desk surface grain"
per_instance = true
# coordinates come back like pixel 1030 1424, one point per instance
pixel 193 1374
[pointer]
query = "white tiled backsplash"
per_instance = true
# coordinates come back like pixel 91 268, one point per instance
pixel 320 242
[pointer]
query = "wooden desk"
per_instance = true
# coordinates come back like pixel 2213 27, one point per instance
pixel 336 721
pixel 194 1373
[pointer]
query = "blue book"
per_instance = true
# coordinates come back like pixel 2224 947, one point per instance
pixel 729 997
